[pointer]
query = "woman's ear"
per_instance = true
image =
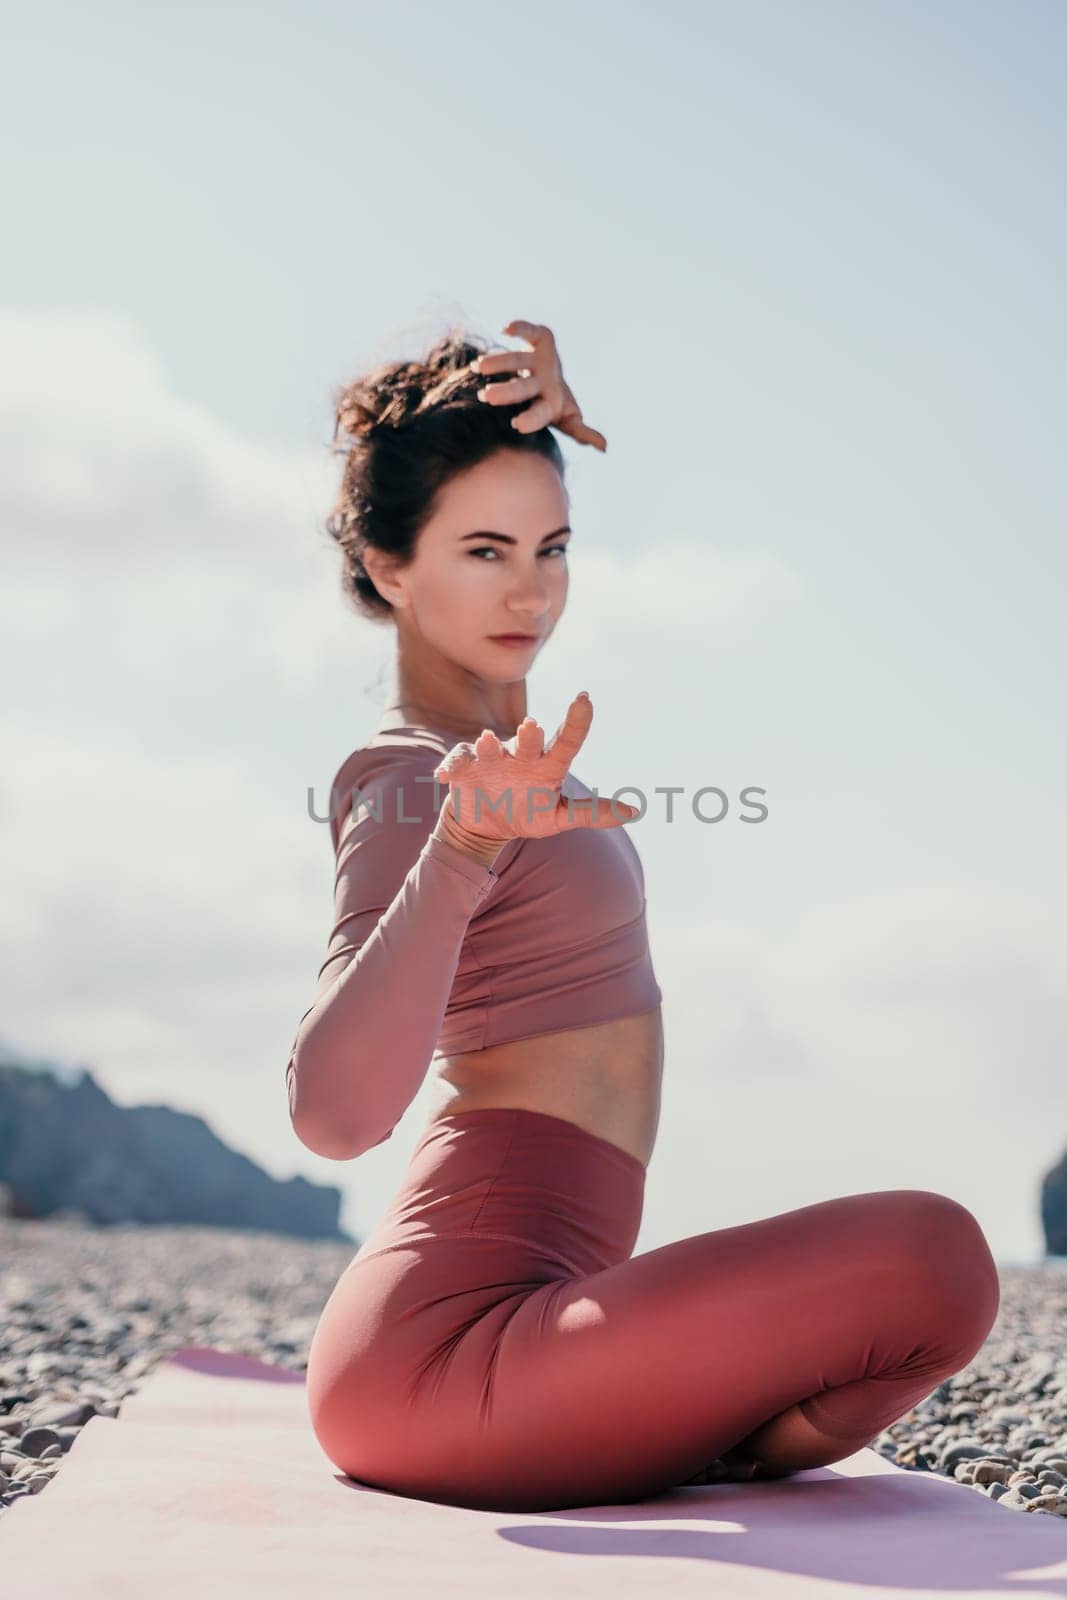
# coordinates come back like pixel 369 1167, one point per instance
pixel 382 571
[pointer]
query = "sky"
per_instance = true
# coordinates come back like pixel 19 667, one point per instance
pixel 804 264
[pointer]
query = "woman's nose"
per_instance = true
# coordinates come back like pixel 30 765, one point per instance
pixel 530 596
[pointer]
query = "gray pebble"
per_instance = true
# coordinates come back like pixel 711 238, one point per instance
pixel 35 1441
pixel 1014 1500
pixel 963 1450
pixel 987 1471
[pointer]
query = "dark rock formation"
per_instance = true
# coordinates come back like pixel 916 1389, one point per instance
pixel 65 1146
pixel 1054 1208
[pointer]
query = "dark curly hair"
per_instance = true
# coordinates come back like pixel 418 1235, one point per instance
pixel 410 426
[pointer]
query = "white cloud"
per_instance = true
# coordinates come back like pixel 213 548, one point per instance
pixel 682 585
pixel 107 469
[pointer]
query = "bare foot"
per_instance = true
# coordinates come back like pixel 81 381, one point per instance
pixel 735 1466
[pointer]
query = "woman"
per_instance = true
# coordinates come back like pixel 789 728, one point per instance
pixel 494 1343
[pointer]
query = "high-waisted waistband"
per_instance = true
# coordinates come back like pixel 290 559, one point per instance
pixel 519 1176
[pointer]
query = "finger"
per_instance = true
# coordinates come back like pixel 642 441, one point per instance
pixel 536 332
pixel 529 738
pixel 539 415
pixel 487 744
pixel 501 361
pixel 455 764
pixel 593 813
pixel 569 736
pixel 510 393
pixel 583 434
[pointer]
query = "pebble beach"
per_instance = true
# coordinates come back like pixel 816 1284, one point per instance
pixel 87 1312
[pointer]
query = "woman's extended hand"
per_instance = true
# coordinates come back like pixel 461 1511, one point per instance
pixel 511 789
pixel 556 406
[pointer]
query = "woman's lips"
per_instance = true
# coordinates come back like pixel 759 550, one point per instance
pixel 513 638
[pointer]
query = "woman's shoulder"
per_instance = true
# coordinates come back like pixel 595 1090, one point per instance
pixel 394 747
pixel 387 759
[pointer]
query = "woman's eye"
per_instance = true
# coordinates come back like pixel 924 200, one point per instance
pixel 489 549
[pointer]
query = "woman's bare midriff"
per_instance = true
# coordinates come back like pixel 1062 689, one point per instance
pixel 606 1078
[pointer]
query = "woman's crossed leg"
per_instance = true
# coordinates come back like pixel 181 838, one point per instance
pixel 804 1334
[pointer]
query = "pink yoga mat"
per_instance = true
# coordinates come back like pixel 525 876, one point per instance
pixel 210 1483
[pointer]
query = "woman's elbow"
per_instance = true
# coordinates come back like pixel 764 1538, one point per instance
pixel 321 1130
pixel 322 1141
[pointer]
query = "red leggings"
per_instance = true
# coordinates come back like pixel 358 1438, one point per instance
pixel 495 1344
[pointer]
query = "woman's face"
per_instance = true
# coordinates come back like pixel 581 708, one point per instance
pixel 490 560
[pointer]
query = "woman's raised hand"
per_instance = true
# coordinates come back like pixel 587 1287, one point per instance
pixel 553 403
pixel 501 790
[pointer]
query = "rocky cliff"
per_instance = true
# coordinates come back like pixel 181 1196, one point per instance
pixel 1054 1208
pixel 65 1145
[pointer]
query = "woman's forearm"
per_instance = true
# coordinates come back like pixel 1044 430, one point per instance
pixel 362 1050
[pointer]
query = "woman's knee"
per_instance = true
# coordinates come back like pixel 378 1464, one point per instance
pixel 943 1262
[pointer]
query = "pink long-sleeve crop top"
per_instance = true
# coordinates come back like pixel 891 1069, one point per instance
pixel 433 953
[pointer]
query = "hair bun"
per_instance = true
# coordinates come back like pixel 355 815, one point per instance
pixel 367 404
pixel 394 391
pixel 358 409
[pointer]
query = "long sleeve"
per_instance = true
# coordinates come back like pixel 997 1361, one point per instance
pixel 403 899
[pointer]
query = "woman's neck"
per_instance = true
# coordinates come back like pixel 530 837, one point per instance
pixel 428 689
pixel 431 710
pixel 458 729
